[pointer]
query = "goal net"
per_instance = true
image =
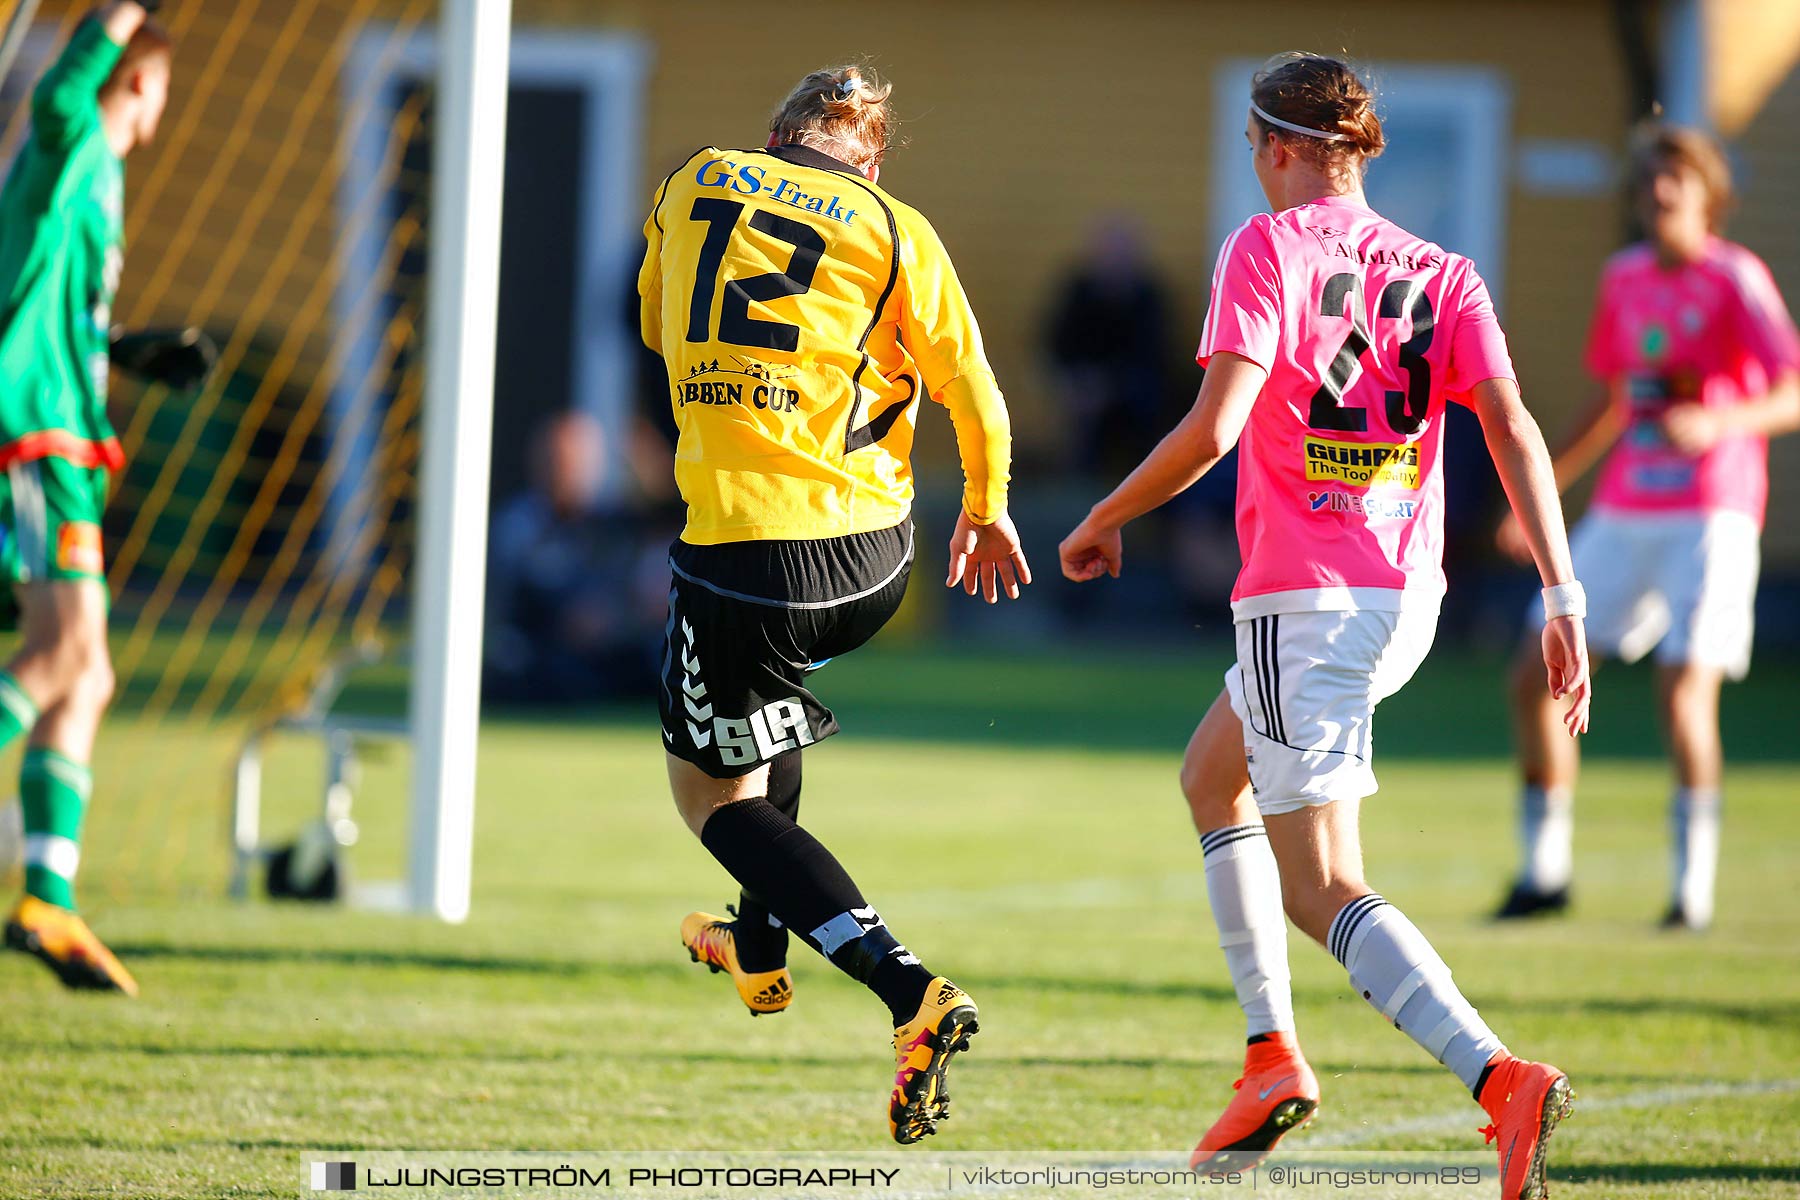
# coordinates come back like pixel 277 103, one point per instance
pixel 261 538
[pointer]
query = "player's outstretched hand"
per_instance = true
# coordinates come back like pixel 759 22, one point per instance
pixel 1691 428
pixel 105 12
pixel 1566 660
pixel 177 358
pixel 988 557
pixel 1090 552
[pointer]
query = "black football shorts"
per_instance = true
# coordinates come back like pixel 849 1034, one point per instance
pixel 749 621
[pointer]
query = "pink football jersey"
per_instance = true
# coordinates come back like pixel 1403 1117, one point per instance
pixel 1713 332
pixel 1366 331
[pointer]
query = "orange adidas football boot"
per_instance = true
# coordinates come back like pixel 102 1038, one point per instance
pixel 67 946
pixel 1278 1093
pixel 713 941
pixel 1525 1100
pixel 923 1048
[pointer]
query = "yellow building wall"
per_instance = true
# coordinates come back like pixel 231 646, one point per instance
pixel 1751 47
pixel 1024 121
pixel 1767 158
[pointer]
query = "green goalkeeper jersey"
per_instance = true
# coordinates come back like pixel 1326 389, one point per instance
pixel 62 246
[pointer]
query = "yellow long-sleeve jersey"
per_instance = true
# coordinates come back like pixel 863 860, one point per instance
pixel 801 311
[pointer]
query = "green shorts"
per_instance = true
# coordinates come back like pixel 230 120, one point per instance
pixel 50 521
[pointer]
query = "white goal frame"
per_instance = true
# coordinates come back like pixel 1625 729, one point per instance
pixel 462 308
pixel 476 56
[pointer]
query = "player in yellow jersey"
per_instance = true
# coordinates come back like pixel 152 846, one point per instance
pixel 804 314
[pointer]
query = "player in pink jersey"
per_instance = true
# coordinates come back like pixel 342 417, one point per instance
pixel 1332 344
pixel 1698 356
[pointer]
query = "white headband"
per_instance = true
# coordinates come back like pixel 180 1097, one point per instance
pixel 1293 128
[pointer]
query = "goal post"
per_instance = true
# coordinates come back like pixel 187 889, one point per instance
pixel 461 317
pixel 12 36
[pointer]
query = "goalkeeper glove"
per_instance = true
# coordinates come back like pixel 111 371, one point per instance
pixel 177 358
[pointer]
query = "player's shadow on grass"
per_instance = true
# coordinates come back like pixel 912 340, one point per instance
pixel 576 969
pixel 404 960
pixel 761 1060
pixel 1100 985
pixel 1674 1173
pixel 434 1050
pixel 137 1145
pixel 1776 1013
pixel 1099 698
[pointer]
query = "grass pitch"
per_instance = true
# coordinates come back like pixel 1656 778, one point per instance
pixel 1017 823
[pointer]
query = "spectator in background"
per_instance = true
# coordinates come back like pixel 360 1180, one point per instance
pixel 1108 341
pixel 575 588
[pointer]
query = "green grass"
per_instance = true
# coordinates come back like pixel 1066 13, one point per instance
pixel 1016 822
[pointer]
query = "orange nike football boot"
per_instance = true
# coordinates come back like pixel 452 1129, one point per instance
pixel 1278 1093
pixel 923 1048
pixel 67 946
pixel 713 941
pixel 1525 1100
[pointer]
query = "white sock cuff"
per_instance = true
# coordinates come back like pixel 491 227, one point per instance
pixel 1544 801
pixel 1695 799
pixel 14 700
pixel 1220 842
pixel 1349 922
pixel 58 855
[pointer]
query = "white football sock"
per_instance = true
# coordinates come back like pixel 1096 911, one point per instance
pixel 1244 886
pixel 1396 970
pixel 1694 830
pixel 1546 837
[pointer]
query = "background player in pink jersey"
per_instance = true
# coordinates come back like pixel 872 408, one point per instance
pixel 1332 344
pixel 1698 357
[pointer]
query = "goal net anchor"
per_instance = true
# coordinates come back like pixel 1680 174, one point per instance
pixel 312 867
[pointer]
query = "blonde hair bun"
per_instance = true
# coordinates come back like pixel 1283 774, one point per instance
pixel 841 111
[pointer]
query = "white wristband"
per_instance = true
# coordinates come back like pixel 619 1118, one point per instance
pixel 1565 600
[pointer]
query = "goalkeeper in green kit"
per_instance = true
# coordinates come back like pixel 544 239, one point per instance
pixel 61 252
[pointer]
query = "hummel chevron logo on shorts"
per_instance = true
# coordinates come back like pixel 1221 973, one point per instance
pixel 693 691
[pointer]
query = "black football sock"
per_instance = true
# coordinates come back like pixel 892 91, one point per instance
pixel 812 894
pixel 761 939
pixel 898 977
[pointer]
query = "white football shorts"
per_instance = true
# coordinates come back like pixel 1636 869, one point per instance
pixel 1683 584
pixel 1305 687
